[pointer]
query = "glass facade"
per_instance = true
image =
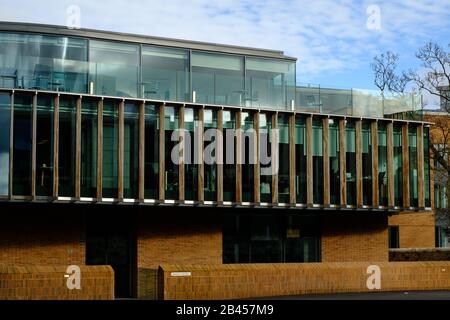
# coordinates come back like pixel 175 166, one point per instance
pixel 350 160
pixel 248 152
pixel 89 140
pixel 283 155
pixel 412 143
pixel 67 132
pixel 5 125
pixel 317 137
pixel 44 146
pixel 265 131
pixel 333 131
pixel 165 74
pixel 426 158
pixel 190 166
pixel 366 163
pixel 110 148
pixel 131 151
pixel 382 165
pixel 398 168
pixel 151 157
pixel 229 152
pixel 209 147
pixel 171 124
pixel 300 159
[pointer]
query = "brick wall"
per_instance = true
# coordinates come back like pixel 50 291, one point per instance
pixel 427 254
pixel 266 280
pixel 354 237
pixel 48 282
pixel 41 235
pixel 416 229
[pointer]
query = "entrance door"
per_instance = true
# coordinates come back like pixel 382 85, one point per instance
pixel 112 244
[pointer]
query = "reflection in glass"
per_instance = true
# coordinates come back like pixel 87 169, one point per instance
pixel 382 165
pixel 67 133
pixel 317 161
pixel 229 151
pixel 43 62
pixel 44 146
pixel 171 169
pixel 165 74
pixel 413 192
pixel 366 163
pixel 283 153
pixel 22 144
pixel 398 168
pixel 110 148
pixel 265 130
pixel 131 151
pixel 333 131
pixel 114 68
pixel 5 125
pixel 151 180
pixel 190 167
pixel 248 151
pixel 300 158
pixel 350 161
pixel 88 183
pixel 218 79
pixel 210 180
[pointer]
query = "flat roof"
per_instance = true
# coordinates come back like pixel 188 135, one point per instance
pixel 144 39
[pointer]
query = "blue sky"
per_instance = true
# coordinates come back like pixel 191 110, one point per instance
pixel 330 38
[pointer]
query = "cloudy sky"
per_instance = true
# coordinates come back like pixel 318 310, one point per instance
pixel 334 40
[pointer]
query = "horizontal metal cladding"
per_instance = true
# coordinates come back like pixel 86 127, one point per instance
pixel 101 149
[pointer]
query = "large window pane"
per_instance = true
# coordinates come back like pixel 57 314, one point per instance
pixel 333 132
pixel 270 83
pixel 5 125
pixel 398 167
pixel 190 167
pixel 210 179
pixel 283 153
pixel 165 74
pixel 113 68
pixel 43 62
pixel 426 161
pixel 88 187
pixel 350 161
pixel 218 79
pixel 248 152
pixel 317 133
pixel 300 158
pixel 413 192
pixel 66 156
pixel 131 151
pixel 367 163
pixel 22 144
pixel 382 165
pixel 265 131
pixel 229 151
pixel 151 181
pixel 171 168
pixel 110 148
pixel 44 146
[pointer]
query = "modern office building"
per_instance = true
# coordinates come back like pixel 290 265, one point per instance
pixel 89 121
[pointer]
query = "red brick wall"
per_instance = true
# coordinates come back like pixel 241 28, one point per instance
pixel 416 229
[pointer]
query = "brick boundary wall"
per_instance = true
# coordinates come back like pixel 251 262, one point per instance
pixel 420 254
pixel 49 283
pixel 267 280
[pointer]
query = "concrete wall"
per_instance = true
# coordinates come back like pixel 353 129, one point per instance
pixel 48 282
pixel 416 229
pixel 266 280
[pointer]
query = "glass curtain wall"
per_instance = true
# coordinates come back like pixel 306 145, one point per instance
pixel 131 151
pixel 22 144
pixel 190 165
pixel 89 134
pixel 210 166
pixel 333 132
pixel 151 158
pixel 366 163
pixel 283 154
pixel 426 162
pixel 43 62
pixel 350 161
pixel 171 123
pixel 229 152
pixel 5 125
pixel 110 148
pixel 317 135
pixel 265 131
pixel 382 165
pixel 165 74
pixel 44 146
pixel 66 152
pixel 114 68
pixel 413 192
pixel 300 159
pixel 218 79
pixel 398 167
pixel 248 151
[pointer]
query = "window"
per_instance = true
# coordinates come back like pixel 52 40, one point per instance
pixel 382 165
pixel 229 151
pixel 398 168
pixel 190 167
pixel 317 161
pixel 218 79
pixel 210 138
pixel 110 148
pixel 426 161
pixel 283 155
pixel 265 131
pixel 44 145
pixel 333 131
pixel 350 162
pixel 131 152
pixel 248 152
pixel 412 143
pixel 165 74
pixel 5 125
pixel 89 134
pixel 151 169
pixel 367 163
pixel 66 152
pixel 300 159
pixel 171 168
pixel 394 240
